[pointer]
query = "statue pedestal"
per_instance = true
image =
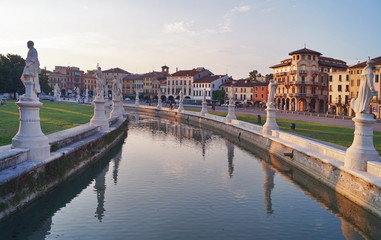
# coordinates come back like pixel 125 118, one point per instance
pixel 204 109
pixel 99 117
pixel 270 122
pixel 117 109
pixel 29 95
pixel 231 113
pixel 30 134
pixel 362 149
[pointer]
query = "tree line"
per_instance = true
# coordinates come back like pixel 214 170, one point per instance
pixel 11 68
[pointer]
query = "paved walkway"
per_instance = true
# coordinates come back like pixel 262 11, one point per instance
pixel 339 121
pixel 329 120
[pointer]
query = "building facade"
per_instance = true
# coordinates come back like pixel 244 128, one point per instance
pixel 183 81
pixel 210 84
pixel 303 80
pixel 338 98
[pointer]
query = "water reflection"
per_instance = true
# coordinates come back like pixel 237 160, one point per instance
pixel 35 220
pixel 268 186
pixel 203 202
pixel 100 188
pixel 230 147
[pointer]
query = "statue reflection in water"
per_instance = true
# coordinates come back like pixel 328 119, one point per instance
pixel 268 185
pixel 100 188
pixel 230 147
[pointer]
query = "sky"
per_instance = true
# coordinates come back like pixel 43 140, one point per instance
pixel 230 37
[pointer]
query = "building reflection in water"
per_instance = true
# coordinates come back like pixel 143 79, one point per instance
pixel 230 147
pixel 180 131
pixel 268 185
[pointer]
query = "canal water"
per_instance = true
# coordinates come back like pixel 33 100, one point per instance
pixel 170 180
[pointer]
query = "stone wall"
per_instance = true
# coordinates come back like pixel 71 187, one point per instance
pixel 29 180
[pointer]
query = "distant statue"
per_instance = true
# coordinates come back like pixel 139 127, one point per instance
pixel 100 85
pixel 32 68
pixel 272 87
pixel 116 91
pixel 57 91
pixel 231 99
pixel 366 90
pixel 120 89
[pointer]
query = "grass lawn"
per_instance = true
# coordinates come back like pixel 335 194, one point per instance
pixel 342 136
pixel 55 116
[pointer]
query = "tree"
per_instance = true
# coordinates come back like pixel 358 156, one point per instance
pixel 269 76
pixel 44 81
pixel 219 95
pixel 11 68
pixel 253 75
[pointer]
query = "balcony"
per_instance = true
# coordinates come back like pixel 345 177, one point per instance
pixel 315 73
pixel 281 74
pixel 303 72
pixel 293 72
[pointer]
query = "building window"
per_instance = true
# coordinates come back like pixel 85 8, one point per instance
pixel 339 88
pixel 376 78
pixel 358 82
pixel 330 88
pixel 303 57
pixel 330 78
pixel 340 78
pixel 309 57
pixel 347 77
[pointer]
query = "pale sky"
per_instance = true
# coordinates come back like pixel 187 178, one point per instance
pixel 224 36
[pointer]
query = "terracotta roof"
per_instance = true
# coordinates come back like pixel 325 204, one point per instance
pixel 115 70
pixel 133 77
pixel 332 62
pixel 377 61
pixel 185 73
pixel 305 50
pixel 209 79
pixel 283 64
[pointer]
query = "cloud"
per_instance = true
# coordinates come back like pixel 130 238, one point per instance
pixel 178 27
pixel 241 9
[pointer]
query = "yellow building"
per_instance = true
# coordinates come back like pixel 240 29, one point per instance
pixel 303 80
pixel 338 98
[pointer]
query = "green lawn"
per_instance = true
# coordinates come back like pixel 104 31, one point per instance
pixel 55 116
pixel 342 136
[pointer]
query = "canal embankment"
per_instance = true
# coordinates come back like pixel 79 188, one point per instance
pixel 322 161
pixel 71 150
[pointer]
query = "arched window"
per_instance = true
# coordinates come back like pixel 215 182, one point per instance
pixel 303 67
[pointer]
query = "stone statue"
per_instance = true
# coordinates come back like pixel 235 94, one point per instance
pixel 32 68
pixel 272 87
pixel 57 91
pixel 120 88
pixel 116 90
pixel 366 90
pixel 231 99
pixel 100 84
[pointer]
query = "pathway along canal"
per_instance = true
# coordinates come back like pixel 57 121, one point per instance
pixel 169 180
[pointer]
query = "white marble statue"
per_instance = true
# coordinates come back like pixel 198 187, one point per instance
pixel 32 68
pixel 120 87
pixel 231 99
pixel 116 90
pixel 366 90
pixel 57 92
pixel 100 84
pixel 272 87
